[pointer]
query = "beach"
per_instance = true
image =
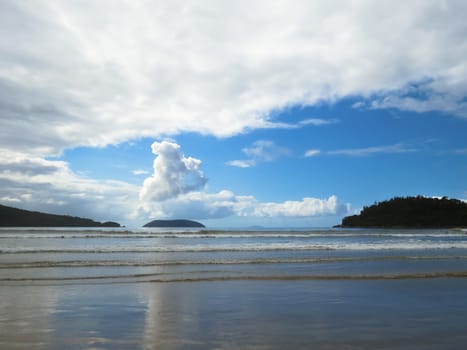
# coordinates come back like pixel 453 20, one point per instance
pixel 230 289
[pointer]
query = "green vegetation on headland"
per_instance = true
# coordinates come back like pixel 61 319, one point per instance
pixel 411 212
pixel 13 217
pixel 173 223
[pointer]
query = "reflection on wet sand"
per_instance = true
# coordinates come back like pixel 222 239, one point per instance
pixel 171 316
pixel 59 317
pixel 25 316
pixel 422 314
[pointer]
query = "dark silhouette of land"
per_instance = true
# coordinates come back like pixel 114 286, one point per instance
pixel 14 217
pixel 173 223
pixel 411 212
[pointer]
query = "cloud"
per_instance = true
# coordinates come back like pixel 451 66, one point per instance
pixel 202 205
pixel 174 174
pixel 306 207
pixel 50 186
pixel 261 151
pixel 9 200
pixel 265 151
pixel 14 162
pixel 358 105
pixel 99 73
pixel 442 94
pixel 312 152
pixel 362 152
pixel 195 205
pixel 300 124
pixel 246 163
pixel 317 122
pixel 140 172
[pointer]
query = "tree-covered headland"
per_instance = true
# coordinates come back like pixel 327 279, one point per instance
pixel 411 212
pixel 14 217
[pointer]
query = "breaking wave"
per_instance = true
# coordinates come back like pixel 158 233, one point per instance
pixel 244 247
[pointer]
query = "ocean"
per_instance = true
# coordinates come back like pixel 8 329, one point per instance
pixel 230 289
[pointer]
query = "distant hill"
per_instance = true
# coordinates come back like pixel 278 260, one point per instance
pixel 174 223
pixel 13 217
pixel 411 212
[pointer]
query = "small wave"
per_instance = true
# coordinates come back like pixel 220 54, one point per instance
pixel 461 274
pixel 80 278
pixel 165 278
pixel 119 263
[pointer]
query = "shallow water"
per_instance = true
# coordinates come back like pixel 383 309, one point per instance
pixel 320 289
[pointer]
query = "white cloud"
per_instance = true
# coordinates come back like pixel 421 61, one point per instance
pixel 50 186
pixel 246 163
pixel 359 104
pixel 300 124
pixel 98 73
pixel 261 151
pixel 16 162
pixel 317 122
pixel 174 174
pixel 202 205
pixel 195 205
pixel 312 152
pixel 265 151
pixel 361 152
pixel 306 207
pixel 443 94
pixel 7 199
pixel 140 172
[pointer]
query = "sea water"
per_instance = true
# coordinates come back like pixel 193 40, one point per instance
pixel 165 288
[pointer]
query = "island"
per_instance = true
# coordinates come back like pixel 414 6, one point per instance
pixel 174 223
pixel 411 212
pixel 14 217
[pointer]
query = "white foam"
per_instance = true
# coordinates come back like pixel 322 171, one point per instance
pixel 273 246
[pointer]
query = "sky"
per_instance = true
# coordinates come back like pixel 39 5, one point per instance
pixel 232 113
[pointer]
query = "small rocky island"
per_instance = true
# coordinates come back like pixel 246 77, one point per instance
pixel 173 223
pixel 14 217
pixel 411 212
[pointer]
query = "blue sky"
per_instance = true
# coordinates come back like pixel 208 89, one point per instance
pixel 365 155
pixel 235 114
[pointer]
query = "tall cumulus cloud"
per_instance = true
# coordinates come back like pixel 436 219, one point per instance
pixel 174 174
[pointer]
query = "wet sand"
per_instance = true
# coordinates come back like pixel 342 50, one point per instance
pixel 298 314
